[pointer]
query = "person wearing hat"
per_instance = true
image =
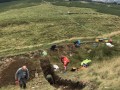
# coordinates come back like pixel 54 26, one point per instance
pixel 21 76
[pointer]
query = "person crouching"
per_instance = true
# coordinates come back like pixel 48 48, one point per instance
pixel 65 62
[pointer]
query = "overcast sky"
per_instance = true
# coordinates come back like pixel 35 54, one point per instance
pixel 108 0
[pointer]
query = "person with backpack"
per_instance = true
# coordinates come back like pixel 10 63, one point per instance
pixel 21 76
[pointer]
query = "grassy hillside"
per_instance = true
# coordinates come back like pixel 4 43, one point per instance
pixel 102 8
pixel 104 75
pixel 27 23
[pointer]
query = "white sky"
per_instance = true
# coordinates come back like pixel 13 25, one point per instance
pixel 107 0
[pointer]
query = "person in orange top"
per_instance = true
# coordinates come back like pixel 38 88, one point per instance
pixel 65 61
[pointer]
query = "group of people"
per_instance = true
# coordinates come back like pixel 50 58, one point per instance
pixel 22 74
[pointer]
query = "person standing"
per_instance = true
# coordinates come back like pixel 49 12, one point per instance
pixel 21 76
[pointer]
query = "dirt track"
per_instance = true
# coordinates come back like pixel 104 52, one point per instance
pixel 59 41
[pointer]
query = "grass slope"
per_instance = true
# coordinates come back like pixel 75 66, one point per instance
pixel 104 75
pixel 27 23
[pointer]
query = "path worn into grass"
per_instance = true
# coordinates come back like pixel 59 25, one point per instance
pixel 101 36
pixel 59 41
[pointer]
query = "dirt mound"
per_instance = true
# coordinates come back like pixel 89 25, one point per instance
pixel 8 69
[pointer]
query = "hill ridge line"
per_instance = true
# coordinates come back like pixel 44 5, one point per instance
pixel 70 39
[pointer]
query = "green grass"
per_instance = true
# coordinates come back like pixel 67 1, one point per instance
pixel 112 9
pixel 27 25
pixel 103 75
pixel 116 38
pixel 37 23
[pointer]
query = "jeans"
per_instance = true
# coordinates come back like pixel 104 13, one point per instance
pixel 22 83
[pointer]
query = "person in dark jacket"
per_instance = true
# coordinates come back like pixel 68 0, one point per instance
pixel 77 43
pixel 21 76
pixel 53 47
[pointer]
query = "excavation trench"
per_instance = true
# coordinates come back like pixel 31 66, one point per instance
pixel 9 65
pixel 58 81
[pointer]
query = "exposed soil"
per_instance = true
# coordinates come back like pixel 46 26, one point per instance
pixel 10 65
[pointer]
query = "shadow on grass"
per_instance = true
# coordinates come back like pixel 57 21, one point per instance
pixel 99 7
